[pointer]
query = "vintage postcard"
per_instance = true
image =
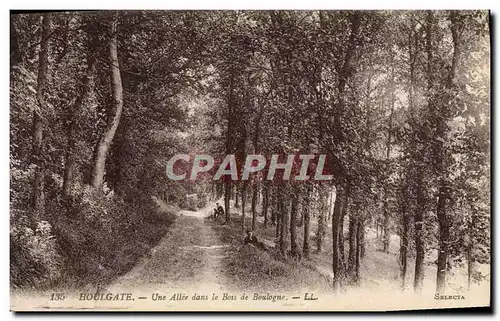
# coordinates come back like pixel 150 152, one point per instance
pixel 272 160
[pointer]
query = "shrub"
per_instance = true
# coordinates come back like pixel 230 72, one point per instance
pixel 105 237
pixel 33 255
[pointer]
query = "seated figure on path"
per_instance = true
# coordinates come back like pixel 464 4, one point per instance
pixel 252 239
pixel 220 210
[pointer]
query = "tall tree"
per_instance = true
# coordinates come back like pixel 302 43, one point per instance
pixel 72 119
pixel 117 102
pixel 37 198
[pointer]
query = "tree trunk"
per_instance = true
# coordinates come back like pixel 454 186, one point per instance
pixel 470 246
pixel 419 242
pixel 353 249
pixel 342 241
pixel 255 193
pixel 236 197
pixel 283 209
pixel 273 206
pixel 386 240
pixel 301 219
pixel 70 164
pixel 403 251
pixel 293 223
pixel 337 264
pixel 37 197
pixel 243 204
pixel 444 236
pixel 385 227
pixel 470 264
pixel 330 206
pixel 338 135
pixel 321 219
pixel 306 214
pixel 405 237
pixel 359 247
pixel 361 241
pixel 320 232
pixel 265 203
pixel 345 207
pixel 15 53
pixel 229 148
pixel 117 99
pixel 441 134
pixel 386 234
pixel 277 212
pixel 227 198
pixel 419 215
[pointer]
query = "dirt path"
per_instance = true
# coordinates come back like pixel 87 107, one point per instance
pixel 188 258
pixel 186 261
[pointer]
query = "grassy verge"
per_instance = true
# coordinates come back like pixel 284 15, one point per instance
pixel 248 268
pixel 95 255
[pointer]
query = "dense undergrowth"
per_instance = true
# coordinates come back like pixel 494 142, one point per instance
pixel 86 241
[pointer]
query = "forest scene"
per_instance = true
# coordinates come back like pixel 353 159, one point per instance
pixel 397 101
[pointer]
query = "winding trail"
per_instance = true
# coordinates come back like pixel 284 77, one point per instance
pixel 187 261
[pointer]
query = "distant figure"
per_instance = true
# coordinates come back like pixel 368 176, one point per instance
pixel 252 239
pixel 220 210
pixel 214 214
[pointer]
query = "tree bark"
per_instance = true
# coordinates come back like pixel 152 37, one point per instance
pixel 243 204
pixel 306 214
pixel 353 249
pixel 361 240
pixel 256 140
pixel 273 206
pixel 293 223
pixel 229 147
pixel 227 198
pixel 359 249
pixel 255 193
pixel 321 219
pixel 330 206
pixel 37 197
pixel 386 240
pixel 236 197
pixel 470 246
pixel 405 237
pixel 337 263
pixel 444 236
pixel 344 75
pixel 345 207
pixel 419 242
pixel 15 53
pixel 403 251
pixel 441 133
pixel 70 163
pixel 283 209
pixel 117 99
pixel 277 212
pixel 265 204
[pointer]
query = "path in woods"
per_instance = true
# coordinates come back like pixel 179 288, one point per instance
pixel 188 257
pixel 187 261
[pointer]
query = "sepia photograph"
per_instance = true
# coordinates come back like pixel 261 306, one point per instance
pixel 250 160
